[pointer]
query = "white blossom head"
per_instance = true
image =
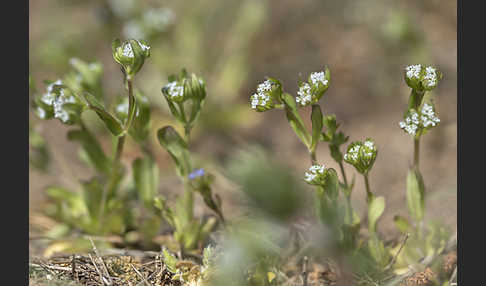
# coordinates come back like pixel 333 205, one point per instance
pixel 266 96
pixel 316 175
pixel 417 123
pixel 183 87
pixel 311 91
pixel 59 102
pixel 130 54
pixel 422 78
pixel 361 155
pixel 174 91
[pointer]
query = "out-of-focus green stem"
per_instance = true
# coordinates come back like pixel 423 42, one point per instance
pixel 369 194
pixel 343 173
pixel 416 153
pixel 119 151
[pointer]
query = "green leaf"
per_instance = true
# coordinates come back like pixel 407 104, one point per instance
pixel 375 210
pixel 415 195
pixel 176 147
pixel 401 223
pixel 295 120
pixel 91 146
pixel 169 260
pixel 316 118
pixel 331 187
pixel 140 127
pixel 377 250
pixel 76 206
pixel 39 155
pixel 167 214
pixel 113 124
pixel 146 177
pixel 93 192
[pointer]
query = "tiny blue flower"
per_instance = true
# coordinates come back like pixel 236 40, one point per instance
pixel 196 173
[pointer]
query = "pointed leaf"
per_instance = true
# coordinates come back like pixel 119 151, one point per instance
pixel 113 124
pixel 92 148
pixel 415 195
pixel 316 118
pixel 146 177
pixel 176 147
pixel 375 210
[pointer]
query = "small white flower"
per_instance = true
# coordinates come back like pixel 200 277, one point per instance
pixel 317 77
pixel 261 98
pixel 264 86
pixel 370 144
pixel 304 94
pixel 41 112
pixel 175 90
pixel 127 51
pixel 58 104
pixel 49 96
pixel 413 71
pixel 415 121
pixel 314 172
pixel 430 76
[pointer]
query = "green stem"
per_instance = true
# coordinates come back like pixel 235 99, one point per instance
pixel 350 209
pixel 369 194
pixel 187 132
pixel 344 174
pixel 416 153
pixel 119 151
pixel 313 157
pixel 131 106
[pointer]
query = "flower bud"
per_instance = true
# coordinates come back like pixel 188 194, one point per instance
pixel 417 123
pixel 267 95
pixel 174 91
pixel 420 77
pixel 361 155
pixel 311 91
pixel 131 55
pixel 185 87
pixel 316 175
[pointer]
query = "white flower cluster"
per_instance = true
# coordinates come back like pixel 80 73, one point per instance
pixel 426 118
pixel 314 172
pixel 128 51
pixel 413 71
pixel 411 123
pixel 59 111
pixel 304 94
pixel 56 101
pixel 158 19
pixel 175 89
pixel 431 76
pixel 261 98
pixel 317 77
pixel 368 148
pixel 352 154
